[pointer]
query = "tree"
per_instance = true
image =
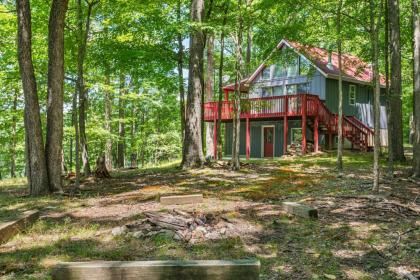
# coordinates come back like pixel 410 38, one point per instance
pixel 54 139
pixel 395 87
pixel 83 34
pixel 210 95
pixel 14 136
pixel 238 79
pixel 340 91
pixel 192 155
pixel 416 87
pixel 374 36
pixel 121 123
pixel 180 65
pixel 108 117
pixel 34 144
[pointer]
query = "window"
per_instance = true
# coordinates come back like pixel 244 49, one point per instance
pixel 303 88
pixel 352 95
pixel 293 68
pixel 278 91
pixel 266 73
pixel 291 89
pixel 304 67
pixel 296 135
pixel 267 92
pixel 279 71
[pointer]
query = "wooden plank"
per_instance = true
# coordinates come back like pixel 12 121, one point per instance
pixel 300 210
pixel 182 199
pixel 10 229
pixel 158 270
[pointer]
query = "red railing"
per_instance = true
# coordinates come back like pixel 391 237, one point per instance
pixel 292 105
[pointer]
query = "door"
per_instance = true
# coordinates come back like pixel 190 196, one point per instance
pixel 268 141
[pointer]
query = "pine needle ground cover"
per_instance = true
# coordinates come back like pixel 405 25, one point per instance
pixel 357 236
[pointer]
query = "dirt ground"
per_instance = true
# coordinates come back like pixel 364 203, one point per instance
pixel 359 235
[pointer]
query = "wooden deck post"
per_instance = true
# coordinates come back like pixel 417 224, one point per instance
pixel 304 111
pixel 215 139
pixel 285 125
pixel 316 134
pixel 248 139
pixel 226 95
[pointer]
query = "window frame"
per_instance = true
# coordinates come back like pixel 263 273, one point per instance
pixel 352 95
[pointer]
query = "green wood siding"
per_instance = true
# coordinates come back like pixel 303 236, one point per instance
pixel 256 137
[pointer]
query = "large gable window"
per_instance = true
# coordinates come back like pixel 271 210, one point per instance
pixel 352 95
pixel 266 73
pixel 279 71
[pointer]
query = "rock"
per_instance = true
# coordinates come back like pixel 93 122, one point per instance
pixel 212 235
pixel 197 235
pixel 202 229
pixel 223 231
pixel 138 234
pixel 119 231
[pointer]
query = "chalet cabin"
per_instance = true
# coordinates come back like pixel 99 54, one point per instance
pixel 292 98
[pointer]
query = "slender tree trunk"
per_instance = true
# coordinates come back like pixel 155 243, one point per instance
pixel 121 122
pixel 54 139
pixel 13 136
pixel 237 102
pixel 387 93
pixel 133 131
pixel 374 30
pixel 395 87
pixel 181 77
pixel 76 138
pixel 220 78
pixel 82 45
pixel 416 91
pixel 35 153
pixel 108 114
pixel 340 92
pixel 192 155
pixel 210 95
pixel 248 44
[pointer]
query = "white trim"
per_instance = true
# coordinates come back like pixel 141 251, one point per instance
pixel 355 95
pixel 262 139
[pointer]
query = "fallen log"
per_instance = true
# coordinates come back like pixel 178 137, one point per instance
pixel 181 199
pixel 158 270
pixel 300 210
pixel 10 229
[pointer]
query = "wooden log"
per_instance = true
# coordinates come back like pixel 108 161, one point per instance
pixel 10 229
pixel 182 199
pixel 158 270
pixel 300 210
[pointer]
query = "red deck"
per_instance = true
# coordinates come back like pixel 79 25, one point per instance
pixel 301 105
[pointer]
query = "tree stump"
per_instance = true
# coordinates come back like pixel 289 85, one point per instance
pixel 101 171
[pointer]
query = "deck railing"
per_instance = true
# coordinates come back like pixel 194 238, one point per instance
pixel 275 106
pixel 292 106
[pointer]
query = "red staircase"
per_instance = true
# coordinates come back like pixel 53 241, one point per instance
pixel 355 131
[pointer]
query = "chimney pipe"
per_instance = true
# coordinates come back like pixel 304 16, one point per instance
pixel 329 64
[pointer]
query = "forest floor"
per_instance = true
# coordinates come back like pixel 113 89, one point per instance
pixel 357 235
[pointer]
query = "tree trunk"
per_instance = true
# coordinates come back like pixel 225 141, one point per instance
pixel 210 95
pixel 101 171
pixel 108 115
pixel 237 102
pixel 82 45
pixel 248 44
pixel 395 87
pixel 76 139
pixel 13 136
pixel 377 90
pixel 55 94
pixel 220 98
pixel 416 93
pixel 181 76
pixel 133 130
pixel 35 153
pixel 388 99
pixel 340 92
pixel 121 123
pixel 192 155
